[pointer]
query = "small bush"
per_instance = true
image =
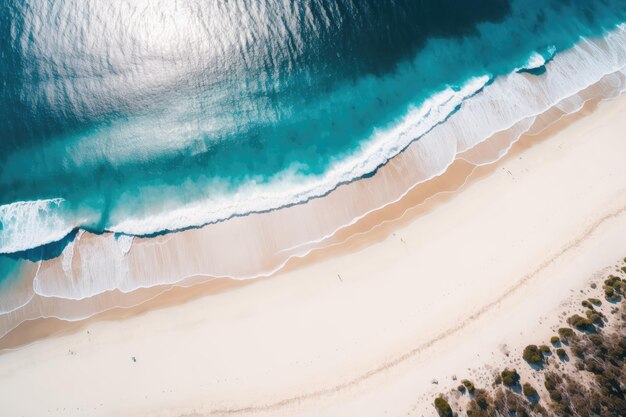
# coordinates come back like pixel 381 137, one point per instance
pixel 609 292
pixel 461 388
pixel 611 298
pixel 587 304
pixel 555 340
pixel 596 302
pixel 443 408
pixel 533 355
pixel 469 385
pixel 595 317
pixel 510 377
pixel 545 349
pixel 498 379
pixel 580 323
pixel 561 353
pixel 528 390
pixel 566 333
pixel 613 286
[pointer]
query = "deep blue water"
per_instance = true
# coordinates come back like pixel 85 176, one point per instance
pixel 123 110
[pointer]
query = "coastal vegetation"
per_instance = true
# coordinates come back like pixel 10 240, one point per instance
pixel 566 333
pixel 510 377
pixel 469 385
pixel 533 355
pixel 581 323
pixel 614 288
pixel 586 377
pixel 443 408
pixel 529 391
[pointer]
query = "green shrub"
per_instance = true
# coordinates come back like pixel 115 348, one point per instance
pixel 612 297
pixel 528 390
pixel 498 379
pixel 555 340
pixel 566 333
pixel 587 304
pixel 612 286
pixel 545 349
pixel 443 408
pixel 561 353
pixel 469 385
pixel 510 377
pixel 461 388
pixel 596 302
pixel 594 316
pixel 533 355
pixel 580 322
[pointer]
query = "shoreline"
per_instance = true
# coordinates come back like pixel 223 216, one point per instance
pixel 260 245
pixel 380 297
pixel 371 228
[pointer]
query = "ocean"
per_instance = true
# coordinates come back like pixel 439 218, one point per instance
pixel 148 117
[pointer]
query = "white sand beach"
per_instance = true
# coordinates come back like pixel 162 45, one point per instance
pixel 363 327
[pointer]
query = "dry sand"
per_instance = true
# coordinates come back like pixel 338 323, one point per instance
pixel 362 330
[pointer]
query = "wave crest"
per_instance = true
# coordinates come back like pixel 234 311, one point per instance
pixel 29 224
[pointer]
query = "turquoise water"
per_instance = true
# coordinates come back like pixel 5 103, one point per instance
pixel 117 114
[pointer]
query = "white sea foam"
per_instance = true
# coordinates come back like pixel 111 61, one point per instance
pixel 289 187
pixel 35 223
pixel 28 224
pixel 124 242
pixel 536 60
pixel 96 255
pixel 477 119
